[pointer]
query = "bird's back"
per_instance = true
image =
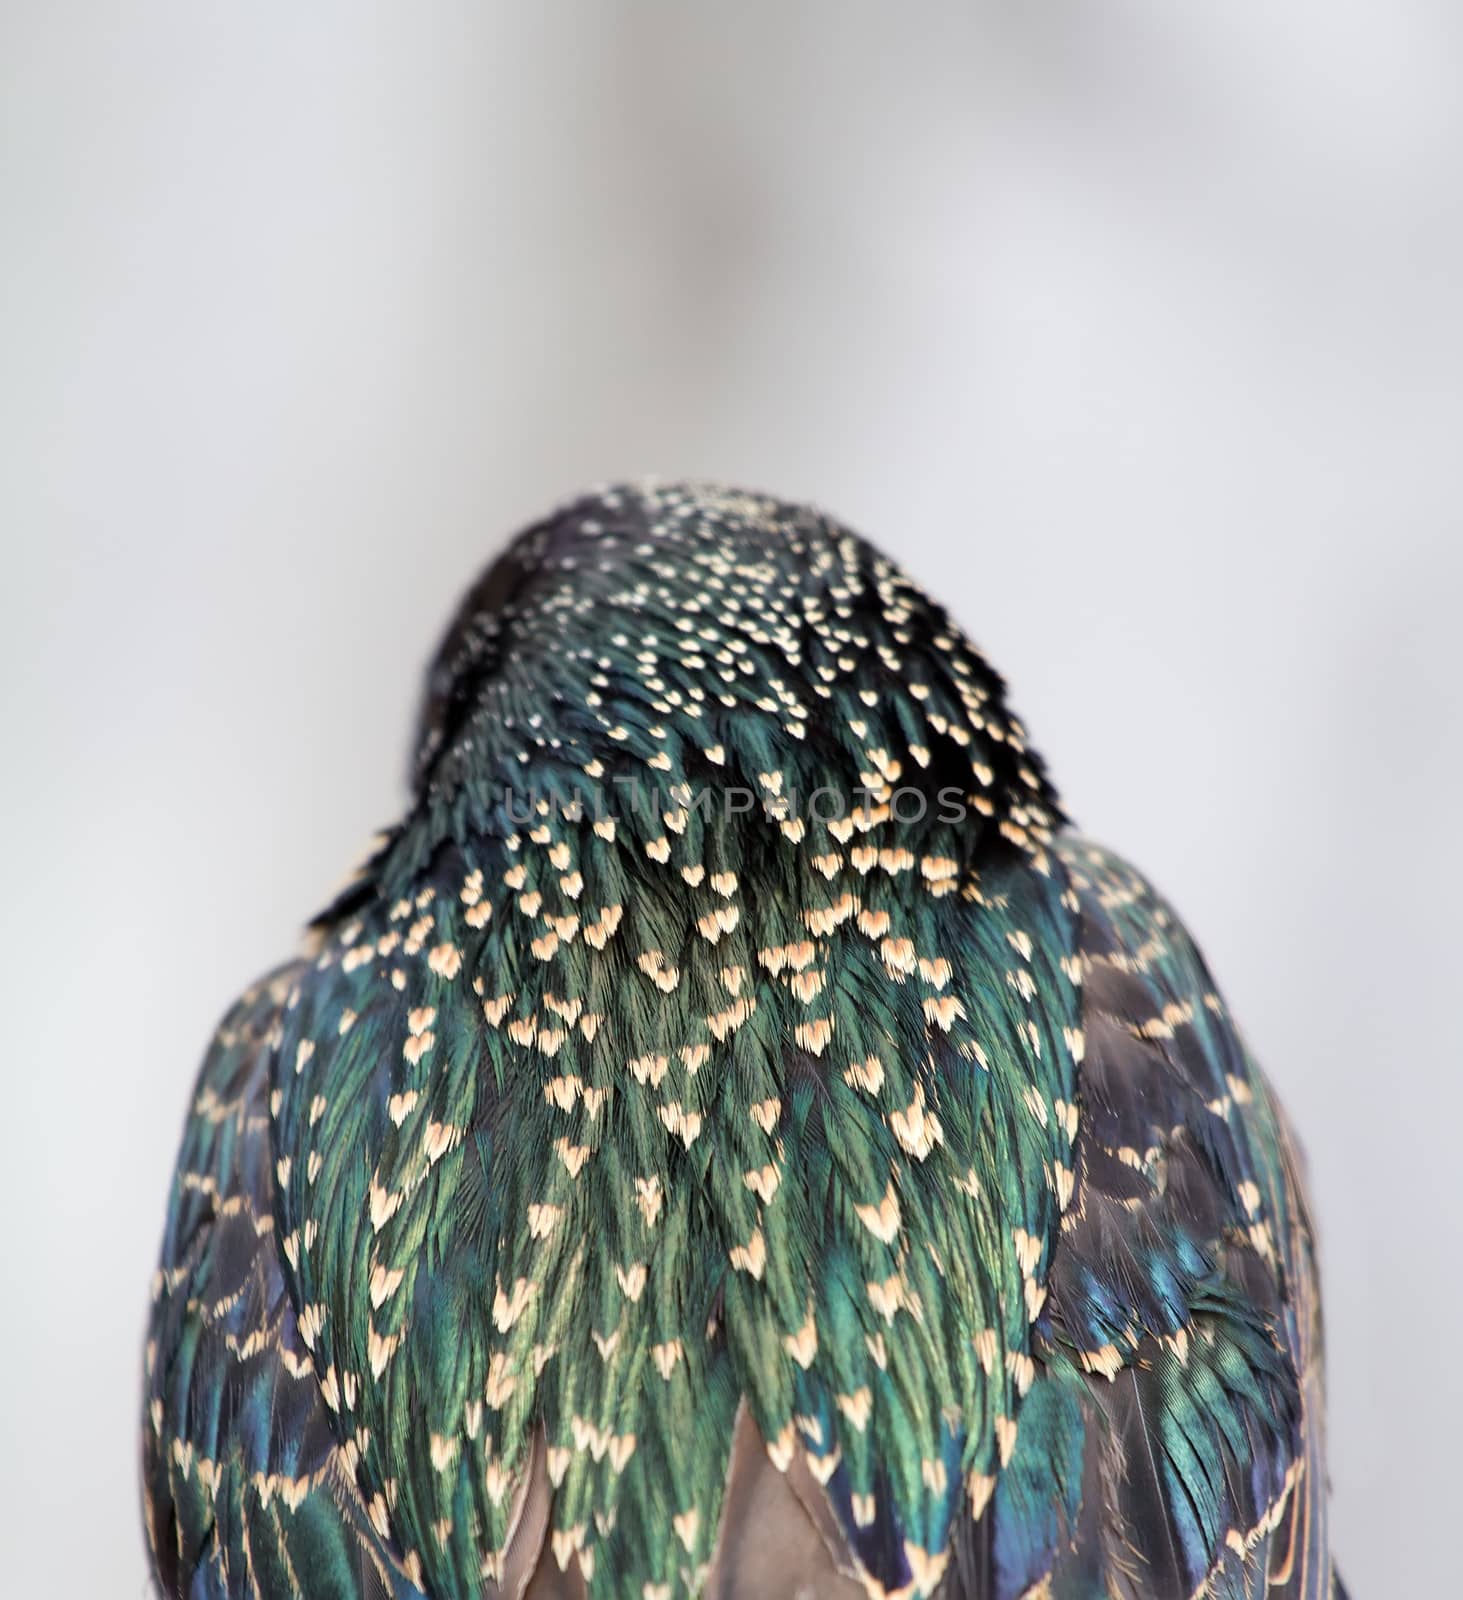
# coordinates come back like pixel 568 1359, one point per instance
pixel 734 1139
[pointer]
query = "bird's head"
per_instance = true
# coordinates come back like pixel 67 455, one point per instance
pixel 658 645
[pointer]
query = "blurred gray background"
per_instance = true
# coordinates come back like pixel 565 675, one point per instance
pixel 1133 329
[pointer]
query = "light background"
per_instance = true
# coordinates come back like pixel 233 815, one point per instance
pixel 1133 329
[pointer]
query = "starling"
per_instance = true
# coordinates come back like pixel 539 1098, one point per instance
pixel 734 1137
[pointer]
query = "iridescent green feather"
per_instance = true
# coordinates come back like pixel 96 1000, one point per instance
pixel 731 1027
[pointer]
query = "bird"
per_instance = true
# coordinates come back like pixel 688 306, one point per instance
pixel 733 1136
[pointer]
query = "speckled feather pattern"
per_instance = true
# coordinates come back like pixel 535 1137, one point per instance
pixel 733 1110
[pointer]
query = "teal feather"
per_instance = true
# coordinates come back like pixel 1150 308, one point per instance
pixel 630 1105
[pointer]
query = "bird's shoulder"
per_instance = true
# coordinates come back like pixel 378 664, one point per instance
pixel 245 1487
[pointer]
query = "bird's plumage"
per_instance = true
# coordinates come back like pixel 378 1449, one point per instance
pixel 734 1138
